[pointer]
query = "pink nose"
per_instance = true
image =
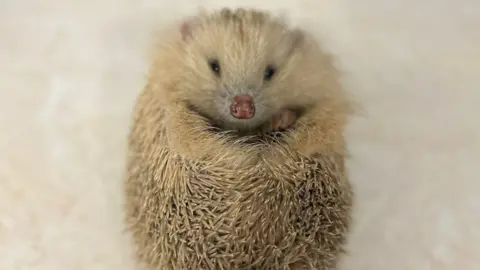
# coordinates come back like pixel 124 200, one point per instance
pixel 243 107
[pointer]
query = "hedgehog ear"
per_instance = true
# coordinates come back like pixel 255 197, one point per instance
pixel 298 38
pixel 187 28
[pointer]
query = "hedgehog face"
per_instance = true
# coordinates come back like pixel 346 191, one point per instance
pixel 240 68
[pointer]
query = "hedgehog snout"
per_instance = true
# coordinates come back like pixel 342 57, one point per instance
pixel 243 107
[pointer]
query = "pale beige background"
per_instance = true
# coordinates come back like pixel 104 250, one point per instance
pixel 70 70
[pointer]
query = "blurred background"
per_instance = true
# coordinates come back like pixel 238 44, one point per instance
pixel 70 72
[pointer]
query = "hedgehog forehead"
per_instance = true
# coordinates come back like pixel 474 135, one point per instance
pixel 241 17
pixel 242 43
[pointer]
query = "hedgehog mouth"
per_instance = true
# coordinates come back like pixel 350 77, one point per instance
pixel 254 132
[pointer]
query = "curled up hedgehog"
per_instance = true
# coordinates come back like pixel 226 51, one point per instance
pixel 236 154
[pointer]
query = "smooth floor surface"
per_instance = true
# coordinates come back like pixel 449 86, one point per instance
pixel 70 71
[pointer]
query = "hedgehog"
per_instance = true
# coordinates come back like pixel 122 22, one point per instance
pixel 236 153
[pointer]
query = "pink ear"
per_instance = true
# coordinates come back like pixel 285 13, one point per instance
pixel 187 28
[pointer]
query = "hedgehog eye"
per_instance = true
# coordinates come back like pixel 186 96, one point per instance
pixel 269 72
pixel 214 66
